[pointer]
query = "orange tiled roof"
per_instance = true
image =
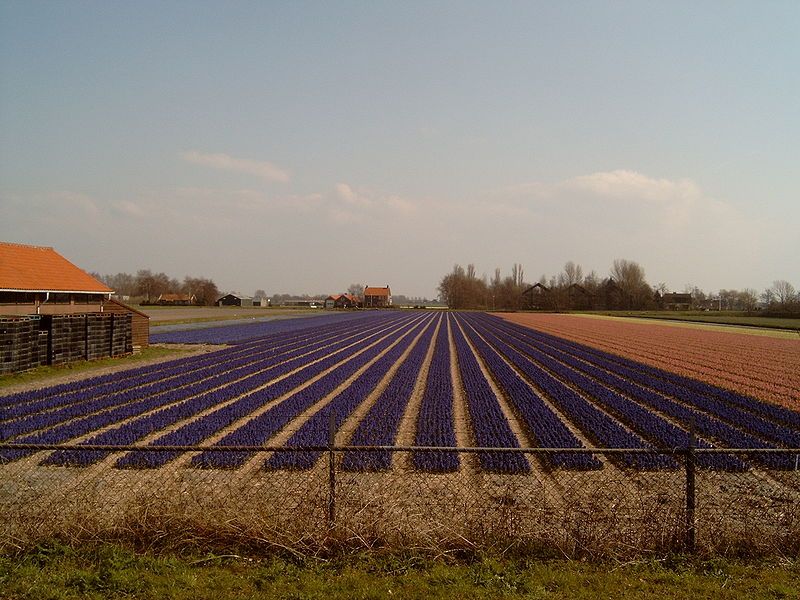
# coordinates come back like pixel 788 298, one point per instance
pixel 41 269
pixel 376 291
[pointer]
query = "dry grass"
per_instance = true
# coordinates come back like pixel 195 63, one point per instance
pixel 607 513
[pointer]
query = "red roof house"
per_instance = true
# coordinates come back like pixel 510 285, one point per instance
pixel 377 297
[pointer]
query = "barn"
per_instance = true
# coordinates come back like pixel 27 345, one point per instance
pixel 341 301
pixel 53 312
pixel 233 299
pixel 377 297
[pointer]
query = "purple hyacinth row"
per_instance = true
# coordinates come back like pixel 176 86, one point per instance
pixel 490 425
pixel 68 406
pixel 214 372
pixel 258 430
pixel 203 398
pixel 436 420
pixel 33 401
pixel 316 430
pixel 380 424
pixel 641 420
pixel 594 423
pixel 171 400
pixel 711 417
pixel 744 404
pixel 195 432
pixel 235 334
pixel 541 422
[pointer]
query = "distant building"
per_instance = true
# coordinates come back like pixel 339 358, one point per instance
pixel 341 301
pixel 305 303
pixel 38 280
pixel 262 302
pixel 235 300
pixel 674 301
pixel 176 300
pixel 54 312
pixel 536 297
pixel 377 297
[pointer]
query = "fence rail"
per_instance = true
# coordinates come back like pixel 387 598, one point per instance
pixel 611 511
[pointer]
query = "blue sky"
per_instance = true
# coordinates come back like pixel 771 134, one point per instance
pixel 304 146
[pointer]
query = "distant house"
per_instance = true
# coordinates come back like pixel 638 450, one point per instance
pixel 262 302
pixel 176 299
pixel 674 301
pixel 38 280
pixel 377 297
pixel 579 298
pixel 536 297
pixel 66 314
pixel 341 301
pixel 235 300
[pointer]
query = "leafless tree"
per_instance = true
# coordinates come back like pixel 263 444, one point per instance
pixel 572 274
pixel 629 276
pixel 784 293
pixel 356 289
pixel 748 299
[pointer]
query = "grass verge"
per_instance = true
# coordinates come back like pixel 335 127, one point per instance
pixel 86 366
pixel 723 318
pixel 106 571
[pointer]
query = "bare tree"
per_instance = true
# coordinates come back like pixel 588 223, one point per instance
pixel 784 293
pixel 572 274
pixel 629 276
pixel 204 290
pixel 748 299
pixel 356 289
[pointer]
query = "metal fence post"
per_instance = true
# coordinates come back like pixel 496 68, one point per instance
pixel 331 471
pixel 691 533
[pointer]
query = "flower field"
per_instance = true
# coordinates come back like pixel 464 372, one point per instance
pixel 766 368
pixel 423 379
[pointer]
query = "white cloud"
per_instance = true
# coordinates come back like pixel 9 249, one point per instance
pixel 351 205
pixel 671 226
pixel 263 169
pixel 346 193
pixel 624 184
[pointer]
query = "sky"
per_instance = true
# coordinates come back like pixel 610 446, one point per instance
pixel 299 147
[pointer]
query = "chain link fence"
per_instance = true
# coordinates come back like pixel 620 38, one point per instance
pixel 611 511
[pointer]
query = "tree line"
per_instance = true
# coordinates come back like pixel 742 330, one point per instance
pixel 624 288
pixel 148 286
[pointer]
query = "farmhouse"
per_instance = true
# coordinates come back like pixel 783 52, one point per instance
pixel 341 301
pixel 56 312
pixel 377 297
pixel 38 280
pixel 536 297
pixel 234 299
pixel 674 301
pixel 176 300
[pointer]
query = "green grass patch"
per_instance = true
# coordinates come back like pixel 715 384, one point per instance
pixel 62 572
pixel 718 318
pixel 86 366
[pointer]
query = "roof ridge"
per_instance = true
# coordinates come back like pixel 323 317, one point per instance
pixel 27 245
